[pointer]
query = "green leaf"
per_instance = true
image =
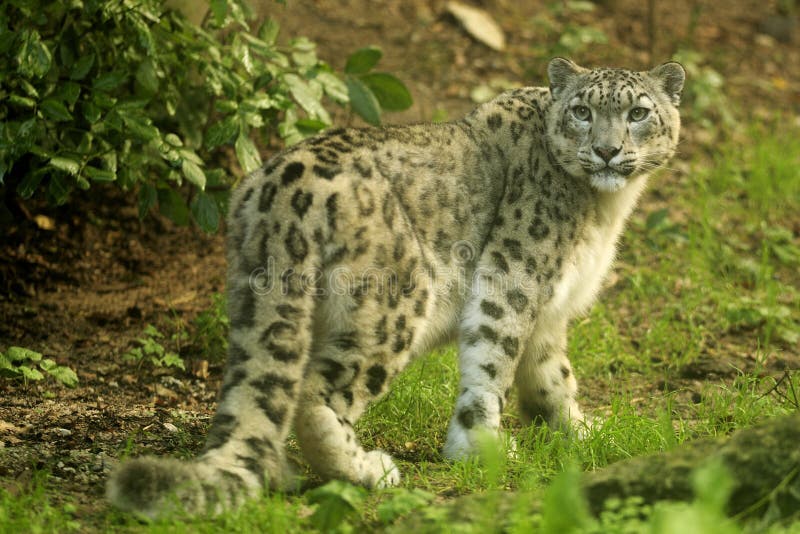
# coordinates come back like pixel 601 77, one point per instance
pixel 205 212
pixel 306 97
pixel 172 206
pixel 91 112
pixel 67 92
pixel 58 189
pixel 30 183
pixel 63 374
pixel 152 331
pixel 193 173
pixel 146 39
pixel 221 132
pixel 30 374
pixel 21 354
pixel 99 175
pixel 310 126
pixel 269 31
pixel 391 93
pixel 171 359
pixel 29 89
pixel 304 53
pixel 241 52
pixel 33 57
pixel 140 127
pixel 55 110
pixel 363 101
pixel 259 101
pixel 22 101
pixel 110 161
pixel 226 106
pixel 148 196
pixel 173 140
pixel 82 67
pixel 109 81
pixel 103 100
pixel 254 120
pixel 335 501
pixel 66 164
pixel 219 8
pixel 334 87
pixel 190 155
pixel 146 76
pixel 247 153
pixel 363 60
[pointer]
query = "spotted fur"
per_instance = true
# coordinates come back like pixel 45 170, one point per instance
pixel 359 249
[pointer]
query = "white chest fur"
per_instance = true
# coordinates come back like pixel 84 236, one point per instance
pixel 584 270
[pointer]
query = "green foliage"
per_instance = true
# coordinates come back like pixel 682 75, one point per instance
pixel 336 502
pixel 562 495
pixel 370 92
pixel 402 502
pixel 560 36
pixel 152 351
pixel 210 333
pixel 706 514
pixel 100 91
pixel 24 364
pixel 27 508
pixel 705 100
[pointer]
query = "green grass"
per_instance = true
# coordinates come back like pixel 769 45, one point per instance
pixel 708 272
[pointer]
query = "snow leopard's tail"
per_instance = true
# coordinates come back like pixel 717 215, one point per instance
pixel 156 487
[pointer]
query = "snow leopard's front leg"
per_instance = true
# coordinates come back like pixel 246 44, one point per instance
pixel 495 323
pixel 546 384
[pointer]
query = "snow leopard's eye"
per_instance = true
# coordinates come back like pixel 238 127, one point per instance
pixel 638 114
pixel 582 113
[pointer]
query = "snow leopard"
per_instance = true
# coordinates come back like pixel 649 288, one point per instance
pixel 359 249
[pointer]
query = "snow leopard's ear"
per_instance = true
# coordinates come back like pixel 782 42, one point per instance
pixel 670 77
pixel 560 71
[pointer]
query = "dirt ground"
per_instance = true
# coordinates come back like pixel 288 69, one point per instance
pixel 82 292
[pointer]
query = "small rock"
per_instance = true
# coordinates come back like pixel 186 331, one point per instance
pixel 172 429
pixel 63 432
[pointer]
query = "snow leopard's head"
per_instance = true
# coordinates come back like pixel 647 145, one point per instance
pixel 608 125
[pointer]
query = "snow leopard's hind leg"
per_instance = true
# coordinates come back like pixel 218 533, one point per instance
pixel 354 358
pixel 271 302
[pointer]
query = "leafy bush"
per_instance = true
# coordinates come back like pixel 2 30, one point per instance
pixel 107 91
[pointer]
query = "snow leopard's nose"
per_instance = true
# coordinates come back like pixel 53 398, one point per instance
pixel 606 152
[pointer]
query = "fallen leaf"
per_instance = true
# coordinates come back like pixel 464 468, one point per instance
pixel 479 24
pixel 200 369
pixel 167 393
pixel 44 222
